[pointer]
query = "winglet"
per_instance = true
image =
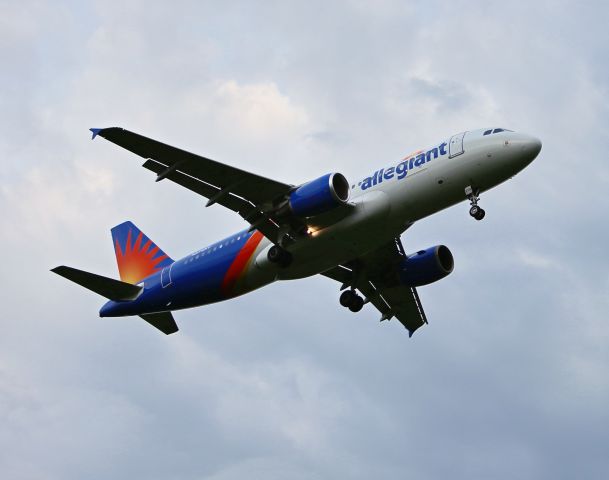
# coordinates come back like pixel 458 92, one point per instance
pixel 95 132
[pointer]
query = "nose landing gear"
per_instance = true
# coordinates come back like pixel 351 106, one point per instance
pixel 351 300
pixel 475 211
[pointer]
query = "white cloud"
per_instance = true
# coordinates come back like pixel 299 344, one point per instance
pixel 536 260
pixel 258 110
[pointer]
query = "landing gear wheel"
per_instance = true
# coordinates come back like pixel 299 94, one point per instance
pixel 475 211
pixel 480 215
pixel 357 304
pixel 279 256
pixel 351 300
pixel 346 298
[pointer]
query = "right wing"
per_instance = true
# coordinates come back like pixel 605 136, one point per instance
pixel 254 197
pixel 375 276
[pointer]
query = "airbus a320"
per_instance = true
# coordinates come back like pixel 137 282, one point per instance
pixel 349 232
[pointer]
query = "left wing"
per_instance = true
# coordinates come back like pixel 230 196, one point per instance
pixel 375 276
pixel 253 197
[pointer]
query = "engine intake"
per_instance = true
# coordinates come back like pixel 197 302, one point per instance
pixel 320 195
pixel 426 266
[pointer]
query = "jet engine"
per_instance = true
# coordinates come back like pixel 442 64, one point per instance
pixel 320 195
pixel 426 266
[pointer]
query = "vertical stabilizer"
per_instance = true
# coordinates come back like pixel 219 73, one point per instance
pixel 136 255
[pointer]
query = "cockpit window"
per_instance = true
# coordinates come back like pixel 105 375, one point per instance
pixel 496 130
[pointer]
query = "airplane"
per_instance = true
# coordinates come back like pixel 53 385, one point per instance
pixel 349 232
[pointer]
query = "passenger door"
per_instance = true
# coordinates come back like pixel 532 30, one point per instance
pixel 455 146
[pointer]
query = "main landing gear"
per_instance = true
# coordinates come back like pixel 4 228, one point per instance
pixel 475 211
pixel 351 300
pixel 279 256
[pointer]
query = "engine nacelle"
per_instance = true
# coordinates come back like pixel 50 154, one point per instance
pixel 320 195
pixel 426 266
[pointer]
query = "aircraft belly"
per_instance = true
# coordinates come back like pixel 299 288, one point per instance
pixel 364 230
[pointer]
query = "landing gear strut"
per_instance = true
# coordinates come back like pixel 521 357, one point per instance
pixel 351 300
pixel 279 256
pixel 475 211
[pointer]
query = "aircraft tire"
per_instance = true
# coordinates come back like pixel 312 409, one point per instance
pixel 346 298
pixel 357 304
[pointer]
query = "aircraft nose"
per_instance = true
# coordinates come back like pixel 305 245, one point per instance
pixel 532 145
pixel 528 146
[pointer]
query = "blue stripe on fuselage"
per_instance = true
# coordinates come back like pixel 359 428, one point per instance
pixel 195 280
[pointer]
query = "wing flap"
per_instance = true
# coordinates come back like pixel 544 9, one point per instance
pixel 405 306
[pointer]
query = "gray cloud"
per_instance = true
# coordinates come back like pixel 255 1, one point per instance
pixel 510 377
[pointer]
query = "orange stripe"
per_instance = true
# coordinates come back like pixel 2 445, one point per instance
pixel 413 154
pixel 237 268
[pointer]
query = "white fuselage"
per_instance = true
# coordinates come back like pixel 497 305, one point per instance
pixel 411 189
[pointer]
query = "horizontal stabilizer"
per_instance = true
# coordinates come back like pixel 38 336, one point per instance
pixel 104 286
pixel 163 321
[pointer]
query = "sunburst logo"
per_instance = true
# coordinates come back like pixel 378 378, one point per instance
pixel 139 259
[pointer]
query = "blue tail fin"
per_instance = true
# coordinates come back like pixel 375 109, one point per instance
pixel 137 256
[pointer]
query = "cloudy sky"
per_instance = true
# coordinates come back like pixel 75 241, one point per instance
pixel 509 380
